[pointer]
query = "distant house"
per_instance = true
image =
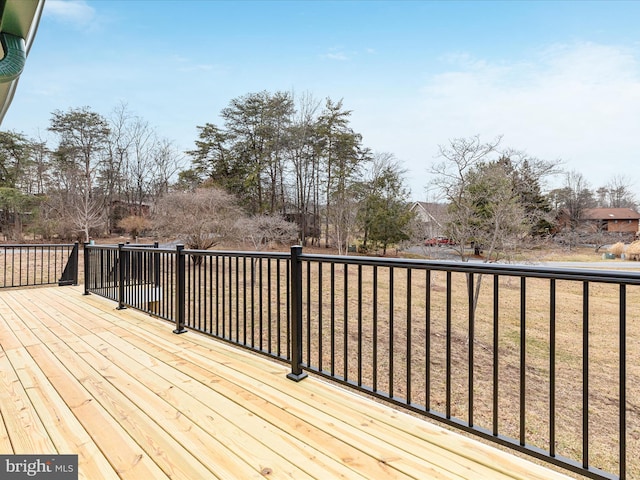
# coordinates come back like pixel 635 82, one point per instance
pixel 614 220
pixel 432 215
pixel 123 209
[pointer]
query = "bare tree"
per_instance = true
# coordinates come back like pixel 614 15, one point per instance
pixel 619 194
pixel 451 177
pixel 305 157
pixel 167 162
pixel 83 136
pixel 342 214
pixel 489 199
pixel 264 230
pixel 140 163
pixel 201 219
pixel 112 178
pixel 570 202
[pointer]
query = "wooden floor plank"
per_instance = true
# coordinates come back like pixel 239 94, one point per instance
pixel 321 465
pixel 127 458
pixel 64 429
pixel 8 337
pixel 355 429
pixel 389 461
pixel 453 464
pixel 380 466
pixel 5 441
pixel 160 405
pixel 202 421
pixel 249 450
pixel 241 419
pixel 24 428
pixel 175 459
pixel 447 445
pixel 282 415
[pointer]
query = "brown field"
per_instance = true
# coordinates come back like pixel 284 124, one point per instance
pixel 409 335
pixel 384 364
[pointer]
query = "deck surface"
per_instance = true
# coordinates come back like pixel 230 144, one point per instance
pixel 136 401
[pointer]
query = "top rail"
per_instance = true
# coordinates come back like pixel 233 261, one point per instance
pixel 516 270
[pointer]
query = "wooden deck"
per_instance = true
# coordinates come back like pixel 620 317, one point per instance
pixel 136 401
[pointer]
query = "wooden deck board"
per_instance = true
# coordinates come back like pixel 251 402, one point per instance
pixel 66 432
pixel 135 400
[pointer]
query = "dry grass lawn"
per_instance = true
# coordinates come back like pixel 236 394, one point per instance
pixel 385 362
pixel 383 336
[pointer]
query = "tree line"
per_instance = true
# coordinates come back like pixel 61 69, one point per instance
pixel 296 160
pixel 97 172
pixel 273 160
pixel 301 159
pixel 495 199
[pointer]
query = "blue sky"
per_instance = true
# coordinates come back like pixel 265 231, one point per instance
pixel 557 79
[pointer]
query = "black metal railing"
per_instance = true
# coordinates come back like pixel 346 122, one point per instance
pixel 238 297
pixel 38 264
pixel 140 276
pixel 532 358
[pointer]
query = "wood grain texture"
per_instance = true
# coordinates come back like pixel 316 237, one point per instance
pixel 134 400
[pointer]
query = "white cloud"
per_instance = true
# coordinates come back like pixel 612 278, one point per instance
pixel 187 65
pixel 76 12
pixel 340 56
pixel 576 103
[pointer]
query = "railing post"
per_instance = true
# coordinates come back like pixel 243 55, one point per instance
pixel 121 276
pixel 70 273
pixel 76 248
pixel 297 373
pixel 156 266
pixel 87 267
pixel 181 272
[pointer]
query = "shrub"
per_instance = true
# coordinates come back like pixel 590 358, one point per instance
pixel 617 249
pixel 134 225
pixel 201 219
pixel 633 251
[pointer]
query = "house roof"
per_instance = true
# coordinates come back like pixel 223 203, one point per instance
pixel 18 25
pixel 431 211
pixel 432 207
pixel 610 214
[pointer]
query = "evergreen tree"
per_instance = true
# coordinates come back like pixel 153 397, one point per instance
pixel 385 215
